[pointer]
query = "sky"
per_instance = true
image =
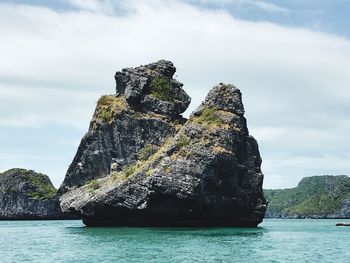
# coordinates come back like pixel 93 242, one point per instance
pixel 290 59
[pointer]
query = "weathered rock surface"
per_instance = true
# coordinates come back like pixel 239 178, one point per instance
pixel 315 197
pixel 146 165
pixel 151 88
pixel 25 194
pixel 143 114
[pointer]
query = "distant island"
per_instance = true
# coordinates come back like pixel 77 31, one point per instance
pixel 25 194
pixel 314 197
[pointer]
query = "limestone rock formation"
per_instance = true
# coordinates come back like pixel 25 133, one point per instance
pixel 25 194
pixel 141 163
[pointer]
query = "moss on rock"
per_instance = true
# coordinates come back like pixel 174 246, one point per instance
pixel 182 141
pixel 209 117
pixel 161 88
pixel 147 151
pixel 130 169
pixel 94 184
pixel 108 106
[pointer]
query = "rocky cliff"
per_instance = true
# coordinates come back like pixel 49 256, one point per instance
pixel 25 194
pixel 142 163
pixel 314 197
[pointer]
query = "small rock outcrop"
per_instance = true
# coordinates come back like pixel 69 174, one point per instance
pixel 343 224
pixel 25 194
pixel 152 89
pixel 141 163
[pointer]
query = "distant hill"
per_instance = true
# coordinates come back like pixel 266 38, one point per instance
pixel 314 197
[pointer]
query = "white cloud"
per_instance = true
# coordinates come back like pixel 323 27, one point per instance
pixel 259 4
pixel 22 106
pixel 55 65
pixel 267 6
pixel 96 6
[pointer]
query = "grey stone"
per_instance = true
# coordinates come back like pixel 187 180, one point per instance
pixel 135 84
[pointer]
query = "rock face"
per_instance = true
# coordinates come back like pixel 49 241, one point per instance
pixel 145 165
pixel 25 194
pixel 144 112
pixel 314 197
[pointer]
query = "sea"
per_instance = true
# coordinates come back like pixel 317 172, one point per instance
pixel 275 240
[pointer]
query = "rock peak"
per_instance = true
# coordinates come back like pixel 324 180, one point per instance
pixel 152 88
pixel 224 97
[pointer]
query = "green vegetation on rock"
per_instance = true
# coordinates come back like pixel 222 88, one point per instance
pixel 209 117
pixel 321 203
pixel 317 196
pixel 130 169
pixel 108 106
pixel 40 186
pixel 94 184
pixel 182 141
pixel 161 88
pixel 147 151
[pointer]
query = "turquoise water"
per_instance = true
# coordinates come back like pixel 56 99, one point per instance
pixel 274 241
